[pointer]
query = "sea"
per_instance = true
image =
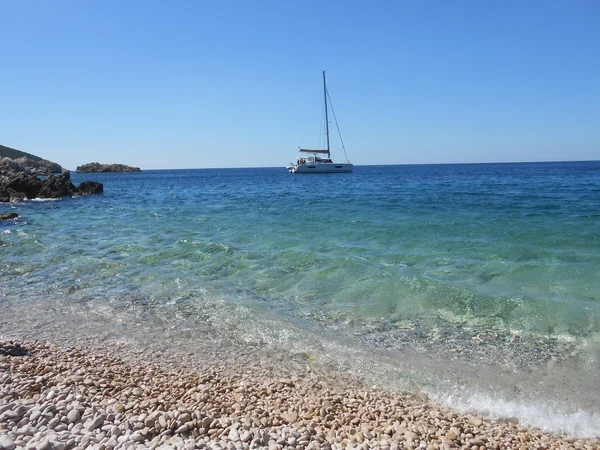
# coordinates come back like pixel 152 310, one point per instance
pixel 476 284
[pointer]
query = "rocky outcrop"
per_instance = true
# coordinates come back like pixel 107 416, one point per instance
pixel 97 167
pixel 16 186
pixel 8 216
pixel 90 188
pixel 42 167
pixel 57 186
pixel 19 181
pixel 29 163
pixel 8 165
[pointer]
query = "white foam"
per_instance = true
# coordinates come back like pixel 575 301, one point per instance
pixel 533 414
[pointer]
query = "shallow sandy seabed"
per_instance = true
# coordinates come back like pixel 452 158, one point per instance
pixel 119 395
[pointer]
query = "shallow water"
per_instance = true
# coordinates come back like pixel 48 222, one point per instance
pixel 475 283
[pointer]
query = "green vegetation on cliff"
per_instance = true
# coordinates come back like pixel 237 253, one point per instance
pixel 12 153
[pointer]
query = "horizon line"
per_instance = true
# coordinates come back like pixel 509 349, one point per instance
pixel 378 165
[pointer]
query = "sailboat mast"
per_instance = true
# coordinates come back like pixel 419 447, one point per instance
pixel 326 117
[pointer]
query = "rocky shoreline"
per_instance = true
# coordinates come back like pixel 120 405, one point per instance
pixel 58 397
pixel 17 183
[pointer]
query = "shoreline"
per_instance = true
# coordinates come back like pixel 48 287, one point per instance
pixel 65 397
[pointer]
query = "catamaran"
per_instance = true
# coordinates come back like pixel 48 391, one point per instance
pixel 314 163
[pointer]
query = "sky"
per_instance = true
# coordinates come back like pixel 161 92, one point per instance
pixel 203 83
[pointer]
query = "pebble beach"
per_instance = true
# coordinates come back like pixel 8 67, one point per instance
pixel 53 396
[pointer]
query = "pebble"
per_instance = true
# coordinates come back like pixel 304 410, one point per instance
pixel 95 423
pixel 73 415
pixel 97 401
pixel 6 443
pixel 246 436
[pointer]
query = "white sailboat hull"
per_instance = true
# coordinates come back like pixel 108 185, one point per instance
pixel 321 168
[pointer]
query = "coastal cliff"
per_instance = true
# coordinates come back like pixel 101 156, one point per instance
pixel 28 163
pixel 97 167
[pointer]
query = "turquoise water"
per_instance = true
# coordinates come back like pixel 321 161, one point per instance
pixel 476 283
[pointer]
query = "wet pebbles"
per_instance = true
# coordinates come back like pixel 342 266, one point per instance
pixel 65 398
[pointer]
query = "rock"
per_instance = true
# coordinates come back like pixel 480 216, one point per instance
pixel 95 423
pixel 476 421
pixel 73 416
pixel 90 188
pixel 136 437
pixel 44 445
pixel 57 186
pixel 97 167
pixel 16 186
pixel 183 418
pixel 9 165
pixel 13 196
pixel 182 429
pixel 43 167
pixel 6 443
pixel 27 431
pixel 206 422
pixel 21 410
pixel 13 349
pixel 290 417
pixel 163 421
pixel 8 216
pixel 16 160
pixel 246 436
pixel 119 407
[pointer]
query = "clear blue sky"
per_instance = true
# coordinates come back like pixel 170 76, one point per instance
pixel 183 84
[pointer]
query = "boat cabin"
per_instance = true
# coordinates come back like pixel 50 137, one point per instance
pixel 314 160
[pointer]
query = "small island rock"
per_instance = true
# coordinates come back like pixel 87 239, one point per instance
pixel 97 167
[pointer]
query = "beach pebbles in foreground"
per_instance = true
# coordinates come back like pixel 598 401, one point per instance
pixel 68 398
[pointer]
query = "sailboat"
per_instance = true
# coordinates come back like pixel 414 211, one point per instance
pixel 314 162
